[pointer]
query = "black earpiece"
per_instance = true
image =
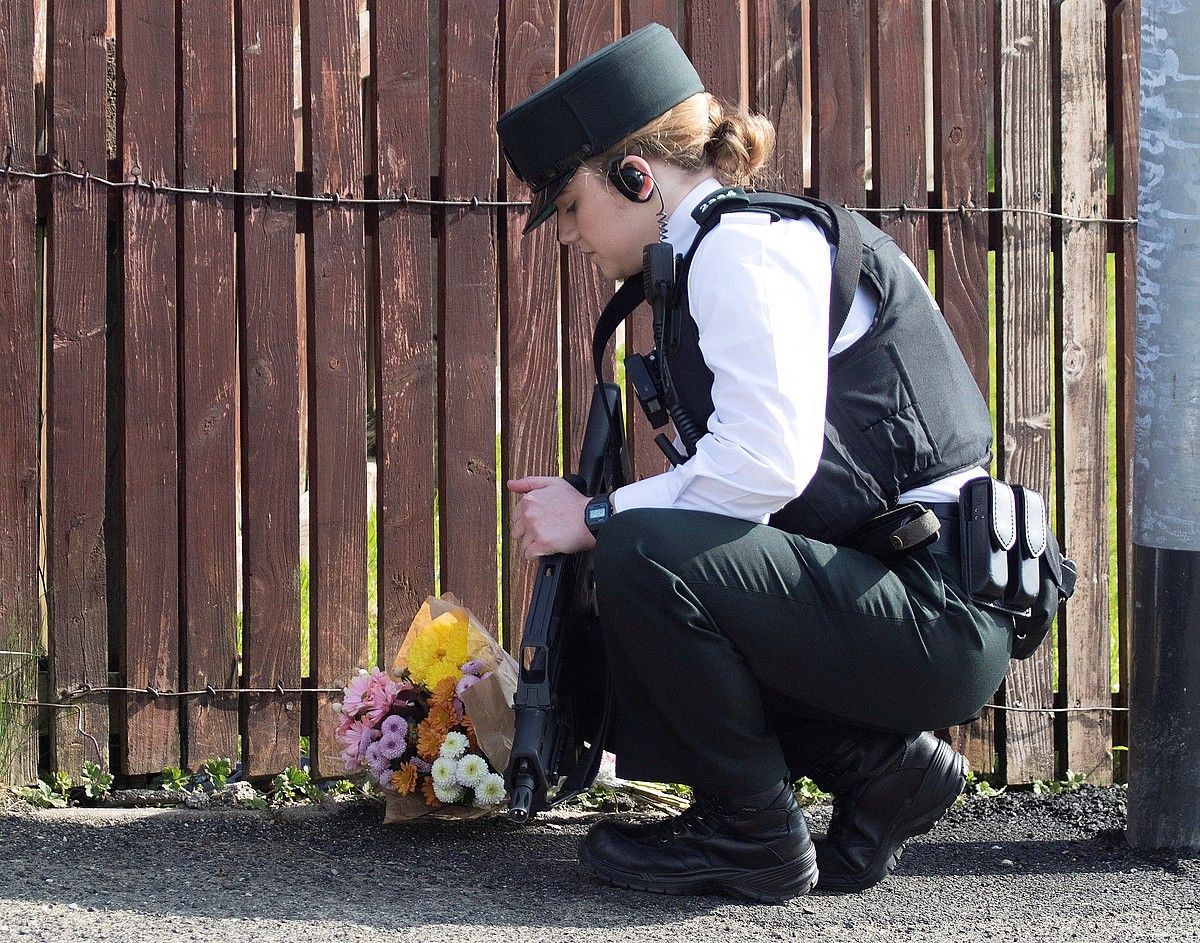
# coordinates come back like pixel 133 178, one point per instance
pixel 629 181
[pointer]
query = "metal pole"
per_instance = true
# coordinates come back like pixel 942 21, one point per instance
pixel 1164 752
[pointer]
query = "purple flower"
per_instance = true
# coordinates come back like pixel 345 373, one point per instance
pixel 465 682
pixel 395 724
pixel 392 746
pixel 421 765
pixel 474 667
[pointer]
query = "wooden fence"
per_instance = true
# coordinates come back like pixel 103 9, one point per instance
pixel 174 368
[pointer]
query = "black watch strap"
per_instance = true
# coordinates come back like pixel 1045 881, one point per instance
pixel 597 512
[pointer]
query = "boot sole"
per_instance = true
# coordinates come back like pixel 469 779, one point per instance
pixel 772 885
pixel 935 787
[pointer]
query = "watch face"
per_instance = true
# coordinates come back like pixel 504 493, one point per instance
pixel 596 514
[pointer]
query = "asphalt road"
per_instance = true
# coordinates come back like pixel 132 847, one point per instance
pixel 1017 867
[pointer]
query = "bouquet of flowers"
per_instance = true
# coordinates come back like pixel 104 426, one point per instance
pixel 436 731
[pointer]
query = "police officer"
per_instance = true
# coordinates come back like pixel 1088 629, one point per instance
pixel 753 634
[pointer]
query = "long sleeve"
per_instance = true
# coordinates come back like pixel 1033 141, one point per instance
pixel 759 294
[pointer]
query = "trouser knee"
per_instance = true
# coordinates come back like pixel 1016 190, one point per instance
pixel 626 544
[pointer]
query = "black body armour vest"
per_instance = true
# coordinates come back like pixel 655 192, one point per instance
pixel 903 409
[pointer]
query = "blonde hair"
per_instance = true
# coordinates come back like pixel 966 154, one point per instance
pixel 697 134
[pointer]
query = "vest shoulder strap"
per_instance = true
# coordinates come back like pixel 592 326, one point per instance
pixel 837 223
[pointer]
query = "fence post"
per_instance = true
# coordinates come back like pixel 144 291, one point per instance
pixel 1164 805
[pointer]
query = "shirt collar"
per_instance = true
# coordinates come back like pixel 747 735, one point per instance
pixel 681 228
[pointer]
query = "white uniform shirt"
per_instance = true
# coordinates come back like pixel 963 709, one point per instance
pixel 759 294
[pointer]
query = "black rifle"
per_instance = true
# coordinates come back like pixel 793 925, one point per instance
pixel 563 697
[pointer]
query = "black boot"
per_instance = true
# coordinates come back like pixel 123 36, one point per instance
pixel 887 789
pixel 753 847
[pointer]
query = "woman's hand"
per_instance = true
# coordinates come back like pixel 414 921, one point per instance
pixel 549 517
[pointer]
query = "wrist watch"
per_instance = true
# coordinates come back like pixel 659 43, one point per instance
pixel 598 510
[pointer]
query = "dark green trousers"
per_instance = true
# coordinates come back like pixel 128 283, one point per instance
pixel 740 654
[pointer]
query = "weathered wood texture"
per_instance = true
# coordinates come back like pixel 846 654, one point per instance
pixel 498 314
pixel 717 43
pixel 898 122
pixel 146 50
pixel 76 322
pixel 269 380
pixel 208 379
pixel 468 301
pixel 337 448
pixel 839 110
pixel 20 325
pixel 1023 334
pixel 529 323
pixel 590 24
pixel 404 366
pixel 1124 39
pixel 963 116
pixel 780 87
pixel 1082 347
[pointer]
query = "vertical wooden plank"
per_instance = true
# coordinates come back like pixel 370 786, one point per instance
pixel 1023 333
pixel 717 43
pixel 839 115
pixel 645 458
pixel 146 49
pixel 337 443
pixel 19 402
pixel 76 319
pixel 779 86
pixel 898 119
pixel 208 327
pixel 963 114
pixel 269 381
pixel 590 25
pixel 1124 39
pixel 404 418
pixel 1082 323
pixel 529 306
pixel 467 289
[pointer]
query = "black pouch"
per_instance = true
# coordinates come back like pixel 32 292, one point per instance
pixel 1057 575
pixel 988 532
pixel 1011 561
pixel 1024 559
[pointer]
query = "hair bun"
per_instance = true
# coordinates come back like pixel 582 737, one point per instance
pixel 739 144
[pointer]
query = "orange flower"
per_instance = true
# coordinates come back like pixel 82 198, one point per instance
pixel 405 779
pixel 431 798
pixel 470 729
pixel 442 716
pixel 429 739
pixel 444 691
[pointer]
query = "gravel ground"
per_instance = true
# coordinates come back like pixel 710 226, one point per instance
pixel 1016 867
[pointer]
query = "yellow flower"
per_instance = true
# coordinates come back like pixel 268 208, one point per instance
pixel 439 650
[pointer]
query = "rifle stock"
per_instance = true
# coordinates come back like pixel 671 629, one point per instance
pixel 548 742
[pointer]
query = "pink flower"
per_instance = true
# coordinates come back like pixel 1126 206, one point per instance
pixel 357 739
pixel 369 696
pixel 351 760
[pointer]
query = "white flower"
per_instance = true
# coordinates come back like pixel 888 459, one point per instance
pixel 443 771
pixel 448 794
pixel 454 746
pixel 470 770
pixel 490 790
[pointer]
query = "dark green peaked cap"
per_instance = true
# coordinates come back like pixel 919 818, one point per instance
pixel 592 106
